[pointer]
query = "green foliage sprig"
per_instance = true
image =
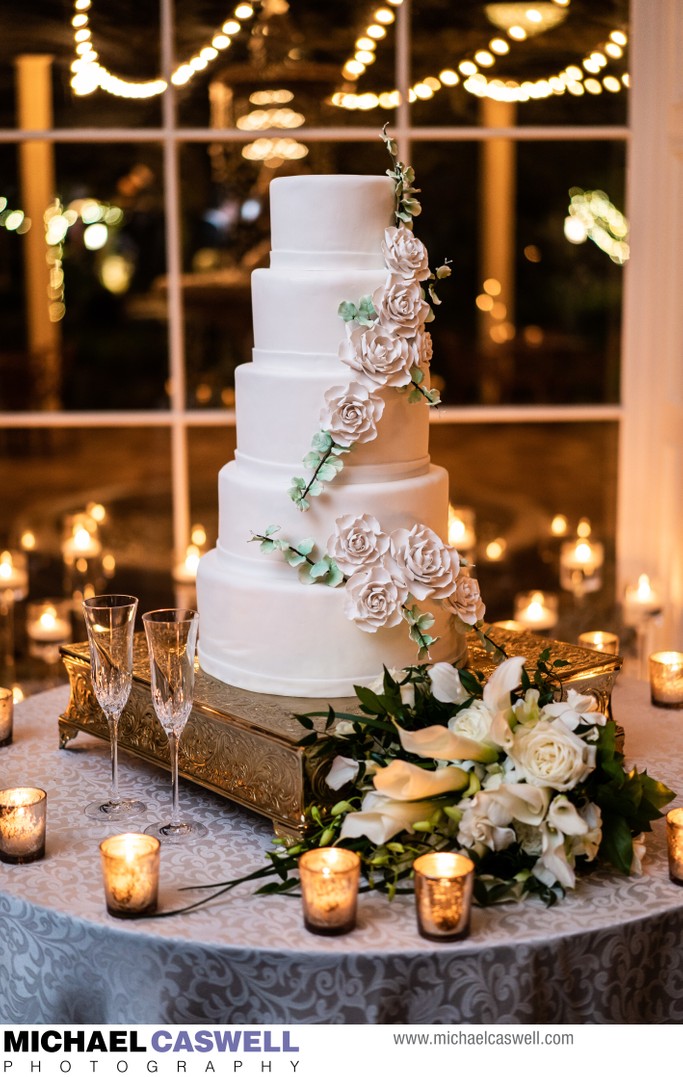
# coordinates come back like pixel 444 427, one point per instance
pixel 406 205
pixel 325 458
pixel 311 569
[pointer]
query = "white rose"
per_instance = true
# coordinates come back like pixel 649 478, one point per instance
pixel 576 710
pixel 446 684
pixel 374 599
pixel 476 827
pixel 524 803
pixel 428 566
pixel 401 780
pixel 342 771
pixel 380 818
pixel 379 357
pixel 357 542
pixel 474 721
pixel 351 413
pixel 405 254
pixel 400 306
pixel 549 754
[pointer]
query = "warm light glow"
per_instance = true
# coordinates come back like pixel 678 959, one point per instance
pixel 27 540
pixel 467 67
pixel 198 535
pixel 375 31
pixel 384 16
pixel 484 302
pixel 495 550
pixel 244 11
pixel 492 286
pixel 584 528
pixel 499 46
pixel 517 33
pixel 484 58
pixel 449 77
pixel 618 37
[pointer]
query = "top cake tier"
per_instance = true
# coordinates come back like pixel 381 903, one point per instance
pixel 321 221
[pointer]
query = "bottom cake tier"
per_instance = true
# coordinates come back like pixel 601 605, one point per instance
pixel 264 631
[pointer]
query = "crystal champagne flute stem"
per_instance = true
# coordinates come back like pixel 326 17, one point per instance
pixel 113 723
pixel 174 744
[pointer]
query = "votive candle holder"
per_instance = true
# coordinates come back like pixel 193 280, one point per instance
pixel 443 895
pixel 674 844
pixel 666 679
pixel 329 890
pixel 23 813
pixel 607 642
pixel 6 716
pixel 130 871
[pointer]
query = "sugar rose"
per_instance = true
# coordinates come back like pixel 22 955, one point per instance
pixel 379 357
pixel 400 306
pixel 427 565
pixel 351 413
pixel 405 254
pixel 550 754
pixel 374 599
pixel 465 601
pixel 358 542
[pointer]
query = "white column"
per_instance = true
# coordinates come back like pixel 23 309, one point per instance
pixel 650 515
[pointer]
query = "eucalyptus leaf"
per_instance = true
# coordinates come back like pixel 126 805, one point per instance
pixel 322 441
pixel 347 311
pixel 312 459
pixel 326 472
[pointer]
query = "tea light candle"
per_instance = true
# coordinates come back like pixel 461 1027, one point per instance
pixel 641 601
pixel 6 716
pixel 443 895
pixel 22 825
pixel 461 532
pixel 130 869
pixel 608 642
pixel 186 571
pixel 45 625
pixel 674 844
pixel 666 678
pixel 510 626
pixel 13 574
pixel 329 889
pixel 81 539
pixel 536 610
pixel 580 565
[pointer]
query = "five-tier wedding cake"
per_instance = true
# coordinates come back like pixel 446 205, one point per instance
pixel 331 558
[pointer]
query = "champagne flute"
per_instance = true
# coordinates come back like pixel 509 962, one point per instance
pixel 110 623
pixel 172 641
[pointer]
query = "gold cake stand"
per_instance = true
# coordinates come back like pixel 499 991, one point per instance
pixel 244 745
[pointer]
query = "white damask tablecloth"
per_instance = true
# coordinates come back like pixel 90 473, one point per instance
pixel 611 952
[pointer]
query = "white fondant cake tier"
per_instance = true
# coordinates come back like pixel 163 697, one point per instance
pixel 250 498
pixel 257 632
pixel 260 627
pixel 278 408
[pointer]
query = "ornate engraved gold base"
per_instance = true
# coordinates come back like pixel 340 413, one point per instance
pixel 244 745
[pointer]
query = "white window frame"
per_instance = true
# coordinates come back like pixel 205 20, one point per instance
pixel 650 517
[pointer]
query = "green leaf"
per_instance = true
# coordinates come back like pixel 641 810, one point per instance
pixel 272 528
pixel 315 488
pixel 370 700
pixel 320 568
pixel 347 311
pixel 293 558
pixel 267 546
pixel 321 441
pixel 306 545
pixel 415 397
pixel 312 459
pixel 305 573
pixel 327 472
pixel 417 375
pixel 335 576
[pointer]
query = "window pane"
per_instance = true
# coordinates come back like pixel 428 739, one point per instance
pixel 527 316
pixel 559 64
pixel 517 478
pixel 84 298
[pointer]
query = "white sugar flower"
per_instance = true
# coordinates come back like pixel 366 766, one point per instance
pixel 405 254
pixel 428 566
pixel 374 599
pixel 358 542
pixel 351 413
pixel 400 306
pixel 465 601
pixel 379 357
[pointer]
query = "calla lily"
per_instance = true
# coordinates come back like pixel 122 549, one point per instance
pixel 438 742
pixel 553 866
pixel 563 816
pixel 576 709
pixel 497 690
pixel 381 818
pixel 446 684
pixel 405 781
pixel 342 771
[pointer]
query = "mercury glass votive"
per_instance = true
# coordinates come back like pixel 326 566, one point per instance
pixel 607 642
pixel 329 889
pixel 443 895
pixel 666 678
pixel 130 870
pixel 6 716
pixel 22 825
pixel 674 844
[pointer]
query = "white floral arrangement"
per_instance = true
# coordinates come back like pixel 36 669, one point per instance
pixel 531 786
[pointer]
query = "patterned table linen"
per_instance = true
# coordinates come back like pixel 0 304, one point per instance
pixel 609 953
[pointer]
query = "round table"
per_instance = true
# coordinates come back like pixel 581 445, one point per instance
pixel 610 952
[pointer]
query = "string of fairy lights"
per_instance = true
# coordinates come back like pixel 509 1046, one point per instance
pixel 474 73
